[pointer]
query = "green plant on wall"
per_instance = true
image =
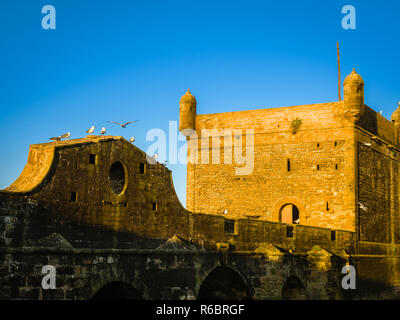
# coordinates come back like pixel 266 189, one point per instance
pixel 295 125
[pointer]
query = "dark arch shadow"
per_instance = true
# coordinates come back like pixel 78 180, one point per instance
pixel 117 291
pixel 293 289
pixel 223 284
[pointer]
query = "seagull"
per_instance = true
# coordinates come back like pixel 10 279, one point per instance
pixel 380 112
pixel 132 139
pixel 155 156
pixel 65 135
pixel 91 130
pixel 103 130
pixel 367 144
pixel 362 206
pixel 225 211
pixel 296 221
pixel 123 125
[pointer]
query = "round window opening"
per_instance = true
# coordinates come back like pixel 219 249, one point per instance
pixel 117 177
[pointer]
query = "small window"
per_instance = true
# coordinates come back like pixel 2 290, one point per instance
pixel 317 144
pixel 142 168
pixel 317 166
pixel 92 159
pixel 76 165
pixel 327 206
pixel 74 196
pixel 288 165
pixel 336 143
pixel 336 166
pixel 289 231
pixel 333 235
pixel 229 226
pixel 155 206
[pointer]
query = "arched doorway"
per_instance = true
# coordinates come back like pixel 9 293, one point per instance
pixel 117 291
pixel 223 284
pixel 294 289
pixel 289 213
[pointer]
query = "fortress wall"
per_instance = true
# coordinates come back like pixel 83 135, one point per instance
pixel 378 125
pixel 327 115
pixel 321 178
pixel 378 193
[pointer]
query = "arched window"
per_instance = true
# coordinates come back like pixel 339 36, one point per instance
pixel 289 213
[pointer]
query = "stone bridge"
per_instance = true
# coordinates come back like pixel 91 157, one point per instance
pixel 173 271
pixel 111 224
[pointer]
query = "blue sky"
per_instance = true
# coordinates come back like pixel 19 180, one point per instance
pixel 127 60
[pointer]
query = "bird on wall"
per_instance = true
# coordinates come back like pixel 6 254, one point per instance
pixel 91 130
pixel 155 156
pixel 380 112
pixel 225 211
pixel 65 135
pixel 103 130
pixel 132 139
pixel 296 221
pixel 362 206
pixel 123 125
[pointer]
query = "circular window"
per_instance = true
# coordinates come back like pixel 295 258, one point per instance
pixel 116 177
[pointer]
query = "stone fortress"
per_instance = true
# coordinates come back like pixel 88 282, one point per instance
pixel 322 193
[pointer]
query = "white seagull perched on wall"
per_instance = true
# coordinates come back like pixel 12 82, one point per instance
pixel 65 135
pixel 91 130
pixel 123 125
pixel 103 130
pixel 132 139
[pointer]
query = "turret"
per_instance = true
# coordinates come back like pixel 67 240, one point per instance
pixel 187 113
pixel 353 92
pixel 396 116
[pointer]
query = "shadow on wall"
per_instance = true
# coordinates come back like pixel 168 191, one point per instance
pixel 117 291
pixel 294 290
pixel 223 284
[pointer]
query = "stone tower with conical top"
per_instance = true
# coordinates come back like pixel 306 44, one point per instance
pixel 353 93
pixel 187 114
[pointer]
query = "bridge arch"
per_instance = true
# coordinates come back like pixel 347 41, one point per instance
pixel 293 289
pixel 224 283
pixel 117 290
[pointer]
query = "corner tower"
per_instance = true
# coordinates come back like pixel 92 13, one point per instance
pixel 353 93
pixel 187 113
pixel 396 116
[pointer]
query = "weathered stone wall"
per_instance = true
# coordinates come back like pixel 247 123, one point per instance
pixel 320 181
pixel 163 274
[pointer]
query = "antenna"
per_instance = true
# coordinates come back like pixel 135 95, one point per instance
pixel 338 59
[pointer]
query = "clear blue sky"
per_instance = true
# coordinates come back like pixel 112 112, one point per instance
pixel 128 60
